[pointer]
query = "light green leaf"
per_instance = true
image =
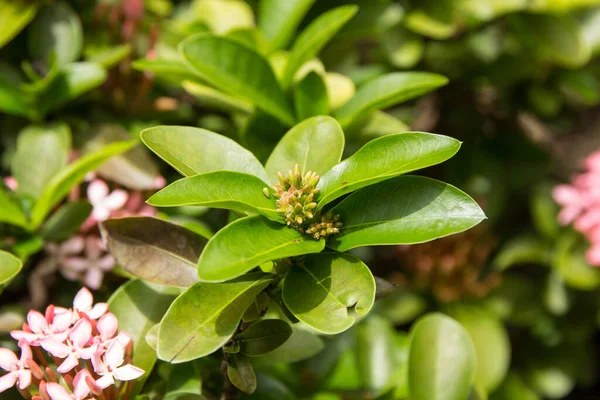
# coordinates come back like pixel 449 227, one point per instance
pixel 241 373
pixel 14 16
pixel 154 250
pixel 138 307
pixel 315 144
pixel 56 32
pixel 375 352
pixel 10 212
pixel 223 16
pixel 442 360
pixel 42 151
pixel 214 98
pixel 375 125
pixel 60 185
pixel 386 91
pixel 523 250
pixel 237 69
pixel 263 337
pixel 385 158
pixel 279 19
pixel 316 35
pixel 193 151
pixel 66 220
pixel 205 317
pixel 219 189
pixel 402 48
pixel 325 289
pixel 12 100
pixel 9 268
pixel 107 56
pixel 513 388
pixel 172 70
pixel 249 242
pixel 310 97
pixel 405 210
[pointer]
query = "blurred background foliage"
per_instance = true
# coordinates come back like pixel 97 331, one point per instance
pixel 523 96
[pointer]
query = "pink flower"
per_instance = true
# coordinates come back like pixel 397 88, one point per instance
pixel 52 326
pixel 104 202
pixel 84 303
pixel 17 369
pixel 12 183
pixel 74 349
pixel 110 367
pixel 81 388
pixel 95 263
pixel 107 328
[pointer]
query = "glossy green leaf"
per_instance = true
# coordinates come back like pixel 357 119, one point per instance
pixel 42 151
pixel 179 146
pixel 279 19
pixel 174 71
pixel 56 32
pixel 300 346
pixel 316 35
pixel 404 210
pixel 249 242
pixel 66 220
pixel 14 16
pixel 385 158
pixel 375 125
pixel 442 360
pixel 12 100
pixel 315 144
pixel 310 97
pixel 269 388
pixel 324 290
pixel 219 189
pixel 185 382
pixel 523 250
pixel 60 185
pixel 139 306
pixel 513 388
pixel 386 91
pixel 224 16
pixel 9 268
pixel 10 212
pixel 154 250
pixel 375 352
pixel 241 373
pixel 205 317
pixel 214 98
pixel 263 337
pixel 340 89
pixel 237 69
pixel 152 337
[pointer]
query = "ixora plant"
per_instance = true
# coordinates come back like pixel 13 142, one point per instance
pixel 286 253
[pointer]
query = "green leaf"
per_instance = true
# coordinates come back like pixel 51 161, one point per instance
pixel 442 360
pixel 315 144
pixel 300 346
pixel 108 56
pixel 249 242
pixel 219 189
pixel 12 100
pixel 241 373
pixel 60 185
pixel 184 382
pixel 310 97
pixel 340 89
pixel 263 337
pixel 214 98
pixel 66 220
pixel 9 268
pixel 10 212
pixel 523 250
pixel 224 16
pixel 174 71
pixel 404 210
pixel 138 307
pixel 385 158
pixel 205 317
pixel 42 151
pixel 325 289
pixel 375 352
pixel 237 69
pixel 152 337
pixel 386 91
pixel 316 35
pixel 279 19
pixel 14 16
pixel 513 388
pixel 56 32
pixel 154 250
pixel 194 151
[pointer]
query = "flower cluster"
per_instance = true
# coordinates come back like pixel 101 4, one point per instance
pixel 580 203
pixel 86 354
pixel 296 197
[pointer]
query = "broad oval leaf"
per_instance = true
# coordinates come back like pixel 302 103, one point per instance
pixel 385 158
pixel 376 352
pixel 279 19
pixel 316 35
pixel 442 360
pixel 139 306
pixel 154 250
pixel 387 90
pixel 404 210
pixel 9 267
pixel 320 291
pixel 310 97
pixel 14 16
pixel 315 144
pixel 193 151
pixel 249 242
pixel 263 337
pixel 300 346
pixel 205 317
pixel 237 69
pixel 10 212
pixel 60 185
pixel 219 189
pixel 241 373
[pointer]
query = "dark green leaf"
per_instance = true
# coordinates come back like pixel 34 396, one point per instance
pixel 385 158
pixel 185 380
pixel 241 373
pixel 12 100
pixel 10 212
pixel 523 250
pixel 315 144
pixel 205 317
pixel 386 91
pixel 310 97
pixel 194 151
pixel 263 337
pixel 513 388
pixel 404 210
pixel 239 70
pixel 14 16
pixel 270 388
pixel 300 346
pixel 108 57
pixel 249 242
pixel 66 220
pixel 219 189
pixel 279 19
pixel 10 267
pixel 442 360
pixel 323 290
pixel 154 250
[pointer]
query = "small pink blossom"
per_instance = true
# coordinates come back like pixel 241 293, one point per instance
pixel 84 303
pixel 81 388
pixel 11 183
pixel 110 366
pixel 75 347
pixel 104 201
pixel 17 368
pixel 52 326
pixel 92 265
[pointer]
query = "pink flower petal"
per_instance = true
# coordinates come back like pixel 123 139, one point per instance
pixel 115 355
pixel 81 333
pixel 83 300
pixel 116 199
pixel 93 278
pixel 25 351
pixel 8 359
pixel 24 378
pixel 27 336
pixel 593 256
pixel 7 381
pixel 105 381
pixel 123 338
pixel 57 392
pixel 97 191
pixel 98 310
pixel 99 366
pixel 76 264
pixel 37 322
pixel 80 386
pixel 55 348
pixel 87 352
pixel 62 321
pixel 100 213
pixel 68 364
pixel 106 263
pixel 93 247
pixel 108 325
pixel 74 245
pixel 128 373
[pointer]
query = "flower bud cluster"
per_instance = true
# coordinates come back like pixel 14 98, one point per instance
pixel 85 354
pixel 328 225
